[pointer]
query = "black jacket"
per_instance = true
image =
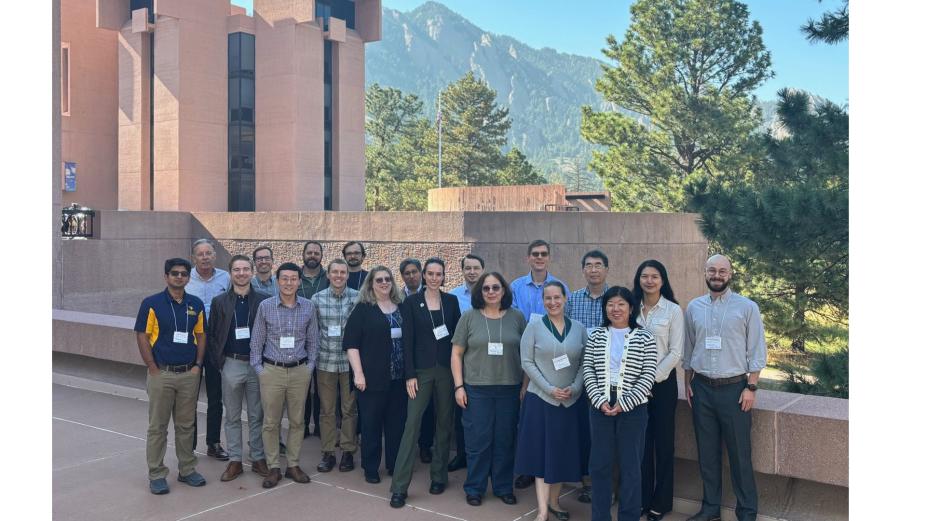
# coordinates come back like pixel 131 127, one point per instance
pixel 368 331
pixel 422 349
pixel 222 314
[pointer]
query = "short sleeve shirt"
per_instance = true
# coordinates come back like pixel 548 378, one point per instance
pixel 159 316
pixel 474 332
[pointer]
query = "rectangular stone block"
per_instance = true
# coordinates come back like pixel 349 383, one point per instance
pixel 813 440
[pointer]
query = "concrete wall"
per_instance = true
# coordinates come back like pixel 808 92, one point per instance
pixel 528 198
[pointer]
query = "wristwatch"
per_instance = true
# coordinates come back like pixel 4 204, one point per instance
pixel 752 387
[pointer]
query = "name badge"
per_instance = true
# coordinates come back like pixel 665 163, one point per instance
pixel 287 342
pixel 712 343
pixel 441 331
pixel 181 337
pixel 496 348
pixel 334 330
pixel 560 362
pixel 396 332
pixel 242 333
pixel 535 316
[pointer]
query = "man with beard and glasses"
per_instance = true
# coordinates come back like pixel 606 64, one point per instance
pixel 354 253
pixel 313 279
pixel 263 280
pixel 724 354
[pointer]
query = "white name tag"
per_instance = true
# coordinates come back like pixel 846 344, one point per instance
pixel 441 331
pixel 712 343
pixel 396 332
pixel 242 333
pixel 287 342
pixel 181 337
pixel 334 330
pixel 560 362
pixel 496 348
pixel 535 316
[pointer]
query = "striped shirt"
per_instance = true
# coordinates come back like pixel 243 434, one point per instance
pixel 637 368
pixel 273 321
pixel 585 309
pixel 333 310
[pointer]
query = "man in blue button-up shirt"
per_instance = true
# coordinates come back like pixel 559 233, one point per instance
pixel 527 291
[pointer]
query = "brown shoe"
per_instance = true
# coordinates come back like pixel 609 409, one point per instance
pixel 232 471
pixel 273 477
pixel 260 467
pixel 296 474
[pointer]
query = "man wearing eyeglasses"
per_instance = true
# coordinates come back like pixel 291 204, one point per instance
pixel 264 280
pixel 354 253
pixel 724 354
pixel 169 331
pixel 208 282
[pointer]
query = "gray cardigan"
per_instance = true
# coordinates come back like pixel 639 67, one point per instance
pixel 537 352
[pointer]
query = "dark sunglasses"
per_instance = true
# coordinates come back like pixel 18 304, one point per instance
pixel 382 280
pixel 539 253
pixel 181 274
pixel 492 288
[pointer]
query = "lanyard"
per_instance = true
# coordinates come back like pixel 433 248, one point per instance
pixel 314 285
pixel 247 321
pixel 440 303
pixel 489 335
pixel 393 322
pixel 722 317
pixel 186 324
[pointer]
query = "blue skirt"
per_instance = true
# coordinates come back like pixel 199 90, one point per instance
pixel 553 442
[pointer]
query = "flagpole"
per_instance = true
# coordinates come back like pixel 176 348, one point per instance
pixel 440 136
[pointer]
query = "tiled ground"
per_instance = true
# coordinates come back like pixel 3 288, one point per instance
pixel 99 475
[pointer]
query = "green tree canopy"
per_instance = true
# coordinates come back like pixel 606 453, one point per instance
pixel 687 68
pixel 832 27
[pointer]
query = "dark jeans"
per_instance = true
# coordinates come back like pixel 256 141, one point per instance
pixel 624 434
pixel 426 436
pixel 383 414
pixel 312 404
pixel 718 417
pixel 490 421
pixel 458 430
pixel 213 378
pixel 659 451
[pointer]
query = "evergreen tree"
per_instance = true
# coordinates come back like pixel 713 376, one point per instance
pixel 687 68
pixel 518 171
pixel 832 27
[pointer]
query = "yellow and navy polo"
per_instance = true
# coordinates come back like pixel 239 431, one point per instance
pixel 160 315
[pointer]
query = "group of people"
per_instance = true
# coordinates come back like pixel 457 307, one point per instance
pixel 528 377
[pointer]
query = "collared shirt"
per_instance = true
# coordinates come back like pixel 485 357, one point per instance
pixel 738 323
pixel 408 292
pixel 208 289
pixel 309 286
pixel 333 310
pixel 159 316
pixel 667 323
pixel 528 296
pixel 275 320
pixel 270 287
pixel 617 353
pixel 464 297
pixel 239 319
pixel 585 309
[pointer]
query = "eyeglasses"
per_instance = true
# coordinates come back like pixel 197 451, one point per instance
pixel 540 254
pixel 492 288
pixel 721 272
pixel 181 274
pixel 352 253
pixel 261 259
pixel 595 266
pixel 382 280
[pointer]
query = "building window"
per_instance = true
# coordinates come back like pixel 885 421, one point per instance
pixel 241 175
pixel 340 9
pixel 65 79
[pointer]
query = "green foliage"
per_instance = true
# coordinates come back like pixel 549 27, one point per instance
pixel 518 171
pixel 789 228
pixel 822 374
pixel 832 27
pixel 688 68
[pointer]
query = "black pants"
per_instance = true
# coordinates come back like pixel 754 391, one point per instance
pixel 659 449
pixel 624 435
pixel 718 418
pixel 426 435
pixel 312 403
pixel 213 378
pixel 382 415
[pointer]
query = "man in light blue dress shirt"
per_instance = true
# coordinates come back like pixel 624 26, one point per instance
pixel 527 291
pixel 472 266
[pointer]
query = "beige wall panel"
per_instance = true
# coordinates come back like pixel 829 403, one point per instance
pixel 204 172
pixel 134 130
pixel 349 119
pixel 284 10
pixel 110 14
pixel 240 23
pixel 166 189
pixel 369 18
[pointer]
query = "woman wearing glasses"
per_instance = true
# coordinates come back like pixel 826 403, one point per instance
pixel 373 341
pixel 662 316
pixel 429 321
pixel 618 368
pixel 487 376
pixel 553 437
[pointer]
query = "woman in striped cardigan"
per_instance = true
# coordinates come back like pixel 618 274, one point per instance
pixel 619 369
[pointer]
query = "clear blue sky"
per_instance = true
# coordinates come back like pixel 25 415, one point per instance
pixel 580 27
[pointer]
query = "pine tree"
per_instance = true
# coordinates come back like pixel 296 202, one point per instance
pixel 832 27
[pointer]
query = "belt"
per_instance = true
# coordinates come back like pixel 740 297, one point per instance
pixel 284 364
pixel 717 382
pixel 178 368
pixel 237 356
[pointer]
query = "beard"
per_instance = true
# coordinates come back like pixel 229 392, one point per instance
pixel 311 263
pixel 353 262
pixel 721 288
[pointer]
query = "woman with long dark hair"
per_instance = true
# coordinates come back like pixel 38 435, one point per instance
pixel 663 317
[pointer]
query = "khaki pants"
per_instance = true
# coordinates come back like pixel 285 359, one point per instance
pixel 329 386
pixel 279 385
pixel 171 395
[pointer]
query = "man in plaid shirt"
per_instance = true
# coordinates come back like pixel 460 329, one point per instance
pixel 334 304
pixel 584 305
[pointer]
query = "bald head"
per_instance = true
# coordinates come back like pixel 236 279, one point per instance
pixel 717 273
pixel 718 261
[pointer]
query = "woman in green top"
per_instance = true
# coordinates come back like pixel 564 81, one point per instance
pixel 486 366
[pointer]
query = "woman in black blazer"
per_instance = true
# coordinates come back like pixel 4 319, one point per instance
pixel 373 341
pixel 429 319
